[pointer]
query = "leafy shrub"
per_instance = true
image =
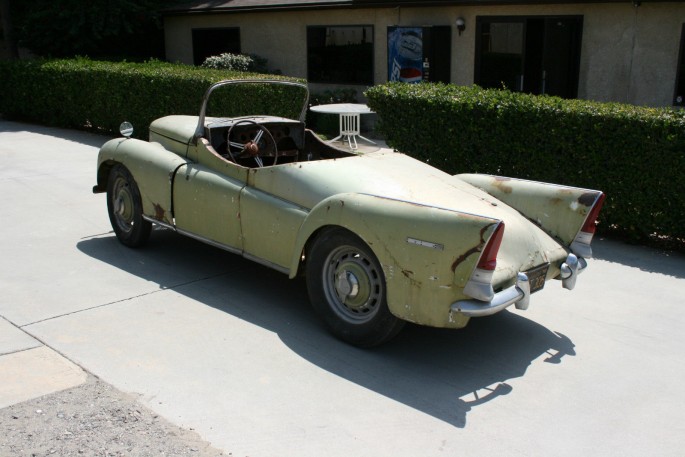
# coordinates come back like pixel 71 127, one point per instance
pixel 636 155
pixel 96 95
pixel 237 62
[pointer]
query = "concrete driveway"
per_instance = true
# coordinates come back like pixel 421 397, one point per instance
pixel 232 350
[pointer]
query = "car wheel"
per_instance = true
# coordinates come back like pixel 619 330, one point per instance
pixel 126 209
pixel 347 289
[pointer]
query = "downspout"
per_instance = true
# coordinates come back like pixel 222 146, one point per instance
pixel 636 4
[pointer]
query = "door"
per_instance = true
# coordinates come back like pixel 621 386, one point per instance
pixel 206 198
pixel 537 55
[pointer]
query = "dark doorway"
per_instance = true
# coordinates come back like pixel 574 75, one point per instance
pixel 212 42
pixel 538 55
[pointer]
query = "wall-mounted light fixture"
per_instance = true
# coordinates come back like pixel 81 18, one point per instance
pixel 461 25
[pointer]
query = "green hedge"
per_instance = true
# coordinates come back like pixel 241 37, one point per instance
pixel 636 155
pixel 96 95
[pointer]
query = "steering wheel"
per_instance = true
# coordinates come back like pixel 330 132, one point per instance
pixel 254 148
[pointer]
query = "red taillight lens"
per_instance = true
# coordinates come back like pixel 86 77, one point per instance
pixel 589 226
pixel 488 259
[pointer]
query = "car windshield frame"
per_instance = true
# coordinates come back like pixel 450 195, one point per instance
pixel 199 131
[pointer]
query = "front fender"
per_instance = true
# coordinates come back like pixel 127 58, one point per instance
pixel 151 166
pixel 427 253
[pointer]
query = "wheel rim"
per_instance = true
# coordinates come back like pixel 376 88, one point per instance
pixel 122 203
pixel 352 284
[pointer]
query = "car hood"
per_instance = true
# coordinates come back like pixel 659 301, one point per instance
pixel 397 176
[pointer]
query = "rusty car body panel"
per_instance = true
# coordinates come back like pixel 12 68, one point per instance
pixel 427 229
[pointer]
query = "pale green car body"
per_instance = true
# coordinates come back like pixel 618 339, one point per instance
pixel 426 228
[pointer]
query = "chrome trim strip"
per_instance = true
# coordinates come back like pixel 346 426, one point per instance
pixel 266 263
pixel 425 244
pixel 158 222
pixel 216 244
pixel 225 247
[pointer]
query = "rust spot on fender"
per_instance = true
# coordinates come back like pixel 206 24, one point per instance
pixel 159 212
pixel 465 255
pixel 473 250
pixel 587 199
pixel 500 184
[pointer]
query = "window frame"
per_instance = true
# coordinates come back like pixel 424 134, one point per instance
pixel 351 82
pixel 529 61
pixel 214 29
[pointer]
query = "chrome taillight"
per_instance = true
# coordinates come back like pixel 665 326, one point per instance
pixel 479 285
pixel 581 243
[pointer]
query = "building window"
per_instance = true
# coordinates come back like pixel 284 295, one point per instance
pixel 340 54
pixel 212 42
pixel 536 54
pixel 679 97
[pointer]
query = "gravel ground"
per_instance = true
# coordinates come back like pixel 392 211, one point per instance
pixel 93 419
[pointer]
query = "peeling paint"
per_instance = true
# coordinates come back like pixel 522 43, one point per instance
pixel 473 250
pixel 159 212
pixel 588 198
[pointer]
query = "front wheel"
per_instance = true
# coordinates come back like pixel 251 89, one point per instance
pixel 347 289
pixel 125 208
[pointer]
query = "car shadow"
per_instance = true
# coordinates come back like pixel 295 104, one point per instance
pixel 443 373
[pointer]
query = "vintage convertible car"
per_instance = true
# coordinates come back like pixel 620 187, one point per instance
pixel 381 237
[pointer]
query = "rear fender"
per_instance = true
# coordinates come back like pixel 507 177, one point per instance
pixel 427 253
pixel 152 167
pixel 560 211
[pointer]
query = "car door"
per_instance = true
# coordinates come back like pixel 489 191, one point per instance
pixel 206 199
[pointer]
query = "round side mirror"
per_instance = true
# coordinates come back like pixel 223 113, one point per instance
pixel 126 129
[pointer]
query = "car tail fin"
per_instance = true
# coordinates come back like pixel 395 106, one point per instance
pixel 479 285
pixel 581 243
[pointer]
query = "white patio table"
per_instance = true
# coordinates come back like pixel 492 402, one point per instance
pixel 350 114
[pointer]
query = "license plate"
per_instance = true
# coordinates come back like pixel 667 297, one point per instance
pixel 536 277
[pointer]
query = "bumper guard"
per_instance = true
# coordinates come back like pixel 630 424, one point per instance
pixel 519 293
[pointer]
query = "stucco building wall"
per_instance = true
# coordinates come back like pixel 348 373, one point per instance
pixel 628 53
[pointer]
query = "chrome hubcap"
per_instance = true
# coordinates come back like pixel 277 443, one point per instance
pixel 352 284
pixel 123 205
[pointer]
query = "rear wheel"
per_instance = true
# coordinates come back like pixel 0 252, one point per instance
pixel 347 289
pixel 126 209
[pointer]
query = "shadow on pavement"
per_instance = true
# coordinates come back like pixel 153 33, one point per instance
pixel 77 136
pixel 443 373
pixel 646 259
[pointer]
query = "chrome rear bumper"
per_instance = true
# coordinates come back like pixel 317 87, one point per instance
pixel 519 293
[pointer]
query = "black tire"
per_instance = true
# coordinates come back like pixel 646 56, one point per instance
pixel 125 208
pixel 347 289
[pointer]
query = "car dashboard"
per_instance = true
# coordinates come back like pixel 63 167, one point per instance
pixel 283 138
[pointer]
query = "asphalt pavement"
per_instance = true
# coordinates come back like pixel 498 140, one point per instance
pixel 232 350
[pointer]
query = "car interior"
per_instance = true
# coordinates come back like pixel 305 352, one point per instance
pixel 266 141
